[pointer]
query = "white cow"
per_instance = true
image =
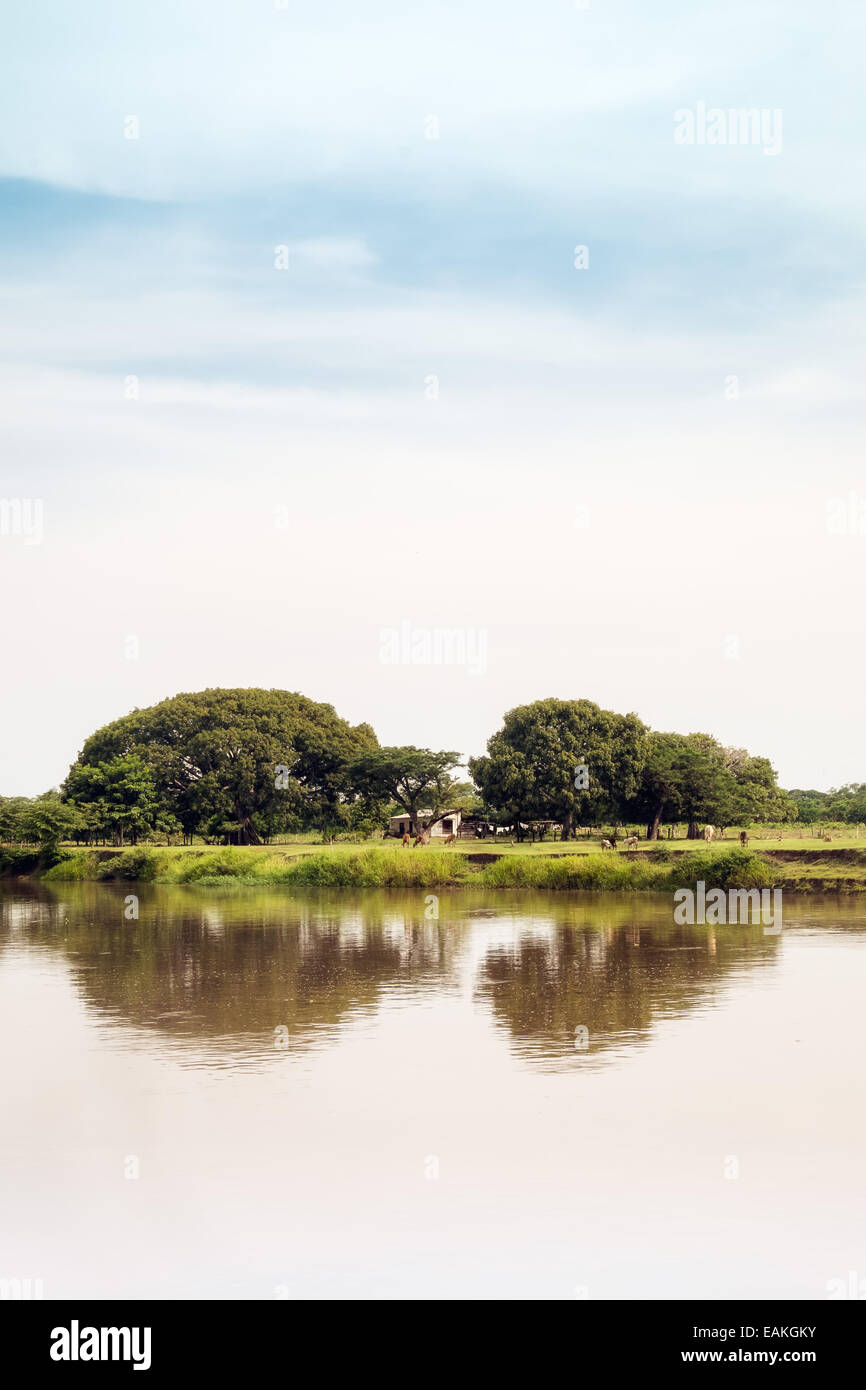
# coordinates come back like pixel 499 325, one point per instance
pixel 631 842
pixel 606 844
pixel 709 832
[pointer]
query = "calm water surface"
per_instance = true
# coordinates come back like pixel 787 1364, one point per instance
pixel 339 1096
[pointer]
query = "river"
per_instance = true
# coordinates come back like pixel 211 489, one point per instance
pixel 246 1093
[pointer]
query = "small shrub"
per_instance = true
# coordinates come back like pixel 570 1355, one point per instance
pixel 137 864
pixel 224 863
pixel 74 867
pixel 602 872
pixel 378 868
pixel 733 868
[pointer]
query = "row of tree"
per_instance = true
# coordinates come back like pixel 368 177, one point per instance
pixel 248 765
pixel 847 804
pixel 571 762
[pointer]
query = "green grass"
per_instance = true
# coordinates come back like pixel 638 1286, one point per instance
pixel 380 868
pixel 361 868
pixel 601 871
pixel 431 868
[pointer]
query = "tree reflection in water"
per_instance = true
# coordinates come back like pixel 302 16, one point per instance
pixel 217 972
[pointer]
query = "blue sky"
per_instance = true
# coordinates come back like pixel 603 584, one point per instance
pixel 625 475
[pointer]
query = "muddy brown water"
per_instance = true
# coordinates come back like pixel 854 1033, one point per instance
pixel 252 1093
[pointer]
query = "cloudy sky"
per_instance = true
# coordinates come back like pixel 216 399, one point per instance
pixel 294 352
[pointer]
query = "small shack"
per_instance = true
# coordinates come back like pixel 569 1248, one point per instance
pixel 449 823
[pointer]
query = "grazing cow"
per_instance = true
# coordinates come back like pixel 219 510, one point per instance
pixel 744 839
pixel 631 842
pixel 827 839
pixel 709 832
pixel 450 839
pixel 407 840
pixel 606 844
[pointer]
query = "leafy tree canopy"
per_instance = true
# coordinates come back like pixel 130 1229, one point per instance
pixel 120 794
pixel 417 779
pixel 246 756
pixel 563 760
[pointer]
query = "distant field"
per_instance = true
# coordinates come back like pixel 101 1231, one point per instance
pixel 760 839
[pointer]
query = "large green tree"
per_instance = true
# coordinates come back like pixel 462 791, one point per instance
pixel 659 794
pixel 692 777
pixel 250 757
pixel 686 777
pixel 418 779
pixel 564 760
pixel 757 795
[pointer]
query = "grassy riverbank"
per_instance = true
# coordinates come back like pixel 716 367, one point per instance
pixel 652 868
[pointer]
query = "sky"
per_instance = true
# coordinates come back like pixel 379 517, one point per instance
pixel 431 359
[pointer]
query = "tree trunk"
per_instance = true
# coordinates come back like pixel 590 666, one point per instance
pixel 248 834
pixel 652 831
pixel 566 826
pixel 693 830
